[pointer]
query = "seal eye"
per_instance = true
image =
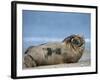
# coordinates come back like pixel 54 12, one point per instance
pixel 76 42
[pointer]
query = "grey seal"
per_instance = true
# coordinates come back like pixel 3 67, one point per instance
pixel 69 50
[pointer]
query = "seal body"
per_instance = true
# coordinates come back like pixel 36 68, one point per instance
pixel 69 50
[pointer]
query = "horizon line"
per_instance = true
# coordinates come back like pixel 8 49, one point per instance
pixel 47 39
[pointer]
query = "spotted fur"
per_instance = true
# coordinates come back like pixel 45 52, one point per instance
pixel 69 50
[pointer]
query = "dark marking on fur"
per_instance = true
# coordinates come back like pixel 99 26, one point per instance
pixel 49 53
pixel 58 51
